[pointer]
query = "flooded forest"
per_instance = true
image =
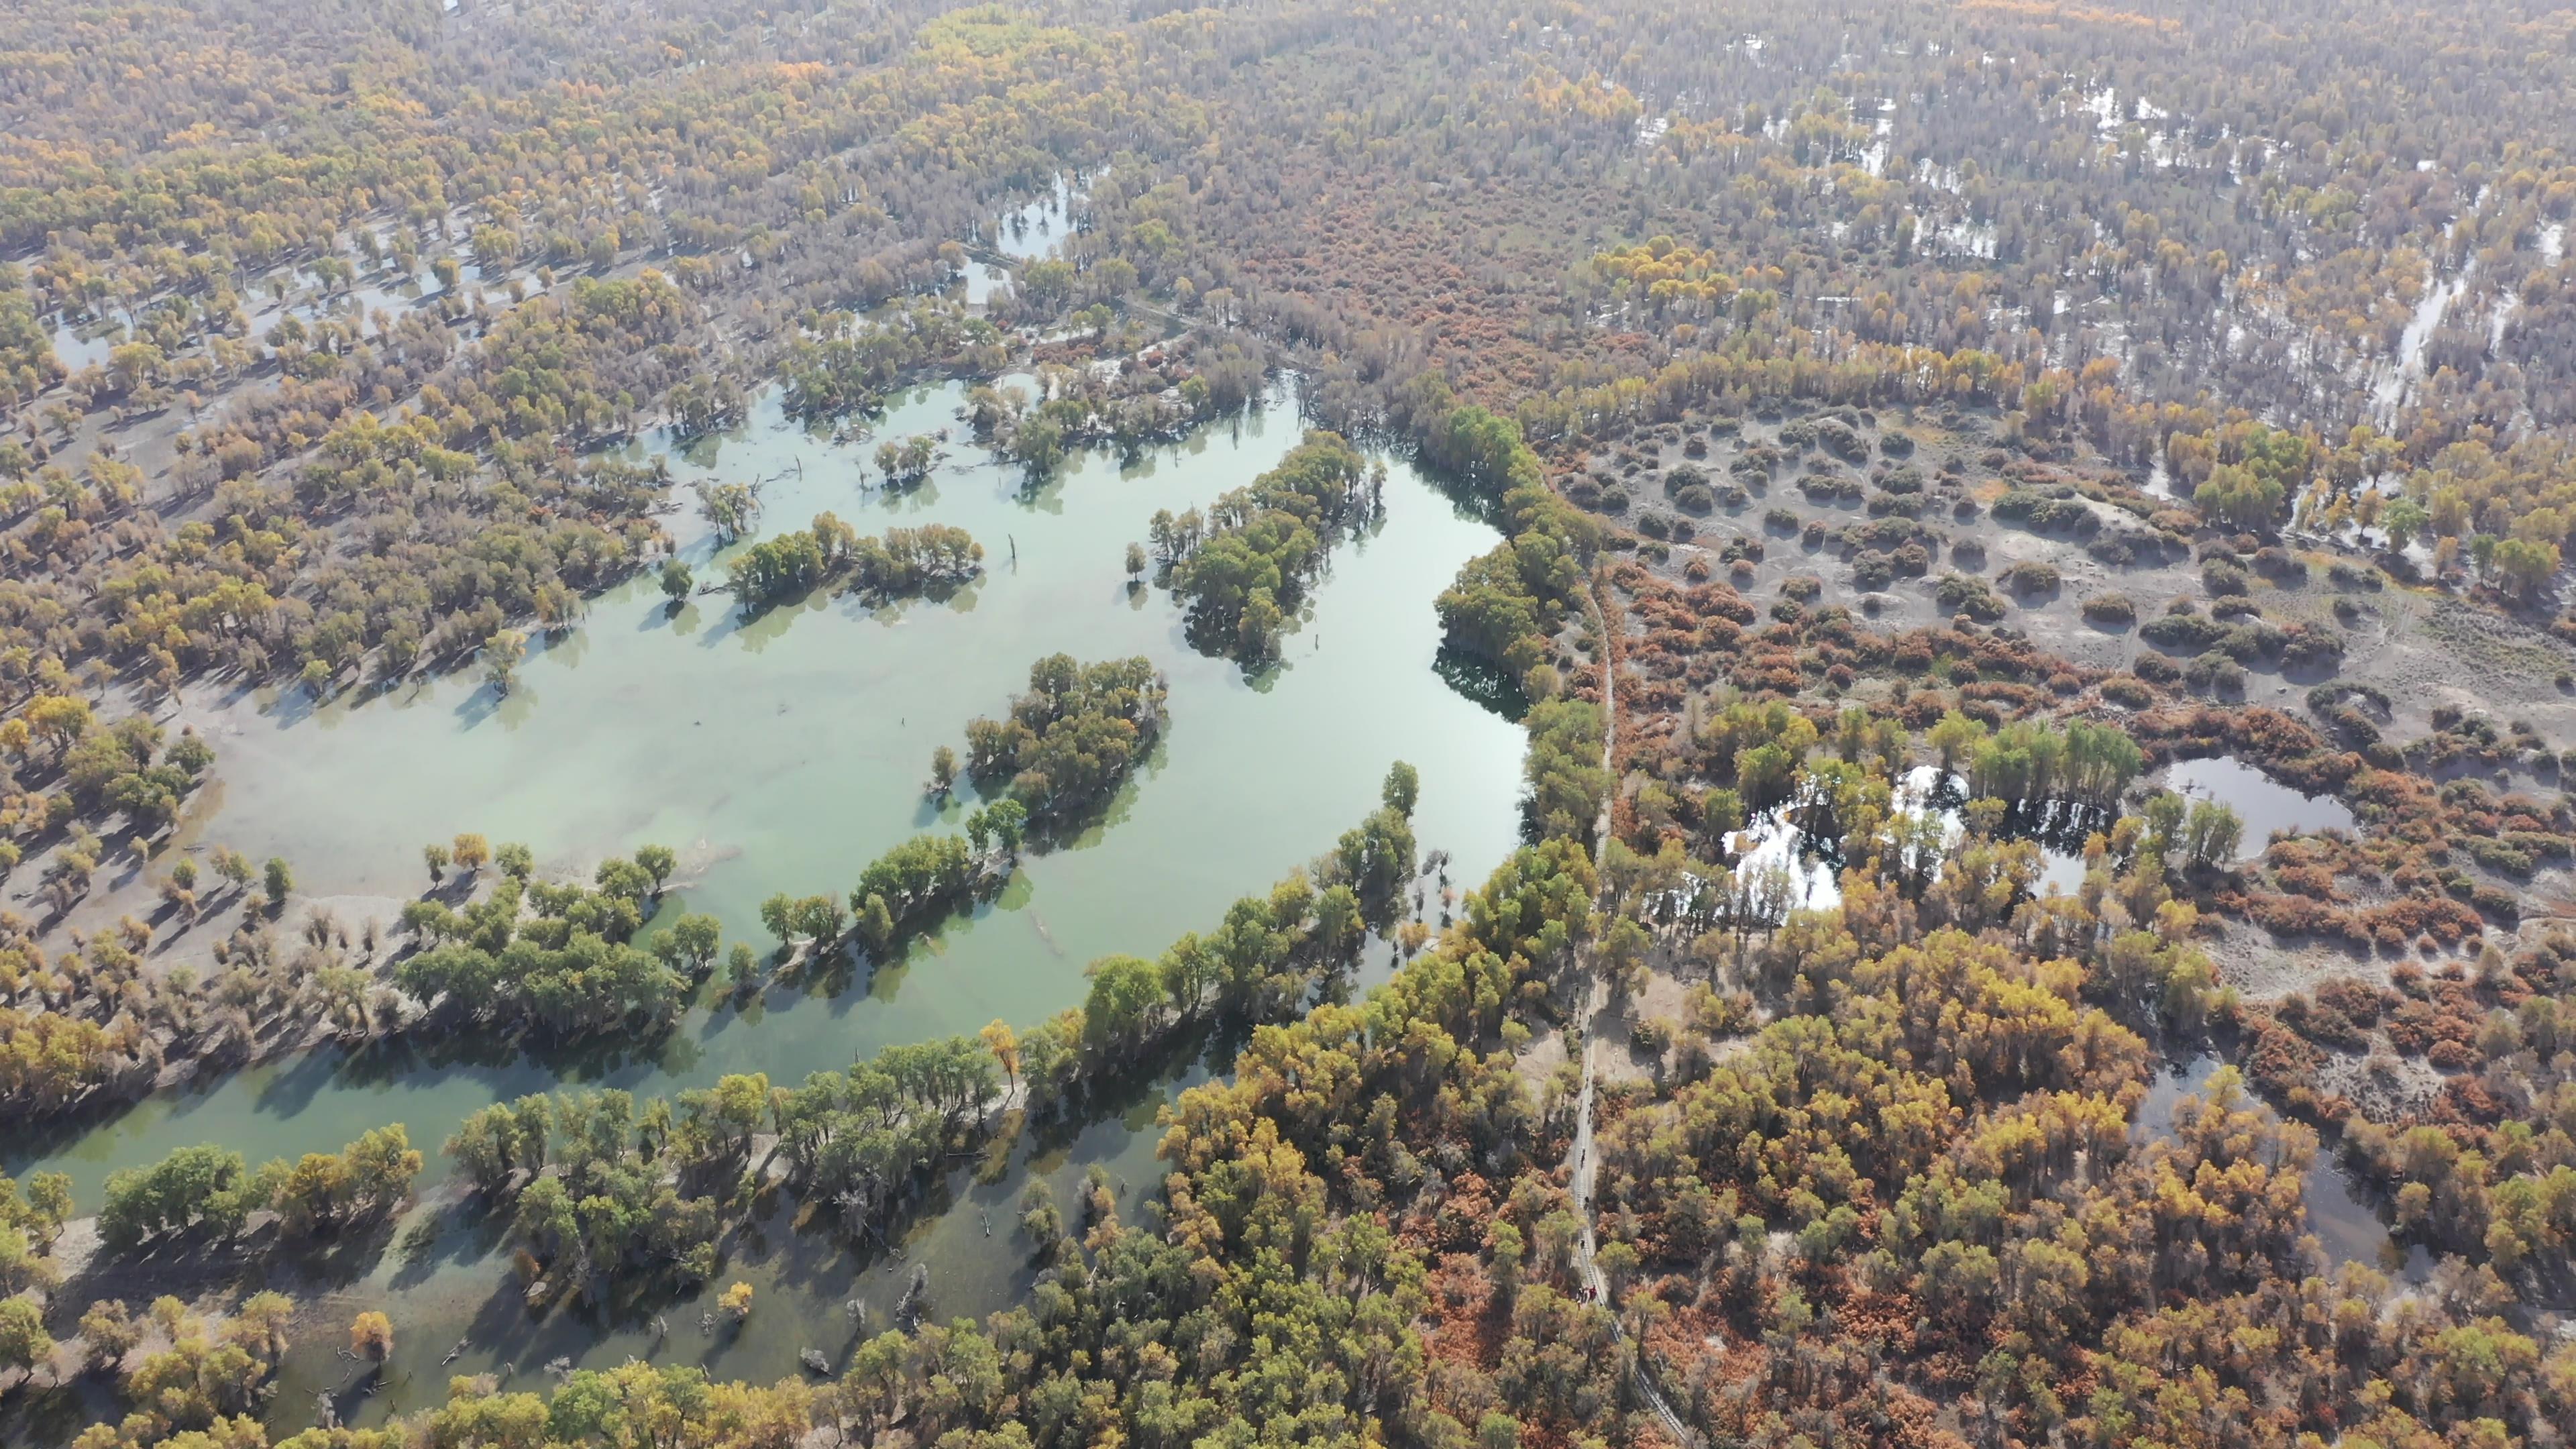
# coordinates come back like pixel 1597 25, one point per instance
pixel 1642 726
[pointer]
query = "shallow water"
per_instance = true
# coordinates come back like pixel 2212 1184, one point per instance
pixel 1037 230
pixel 2347 1227
pixel 85 344
pixel 761 751
pixel 2263 803
pixel 1813 883
pixel 448 1284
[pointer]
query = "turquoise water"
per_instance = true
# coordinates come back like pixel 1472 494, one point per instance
pixel 784 752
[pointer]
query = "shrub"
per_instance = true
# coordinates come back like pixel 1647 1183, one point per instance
pixel 2215 672
pixel 1967 594
pixel 2183 631
pixel 2030 576
pixel 2128 691
pixel 2276 563
pixel 2043 513
pixel 2110 609
pixel 2309 647
pixel 1839 440
pixel 2115 549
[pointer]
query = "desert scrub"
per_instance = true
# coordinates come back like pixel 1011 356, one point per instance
pixel 1968 594
pixel 2110 609
pixel 2030 576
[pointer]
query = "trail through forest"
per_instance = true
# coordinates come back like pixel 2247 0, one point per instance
pixel 1583 1162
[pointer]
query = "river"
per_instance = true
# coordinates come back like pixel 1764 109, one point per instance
pixel 762 750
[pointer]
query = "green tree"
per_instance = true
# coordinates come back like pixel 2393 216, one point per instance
pixel 502 655
pixel 1402 788
pixel 2239 497
pixel 693 940
pixel 2405 520
pixel 2211 834
pixel 1119 1009
pixel 657 862
pixel 24 1343
pixel 2523 565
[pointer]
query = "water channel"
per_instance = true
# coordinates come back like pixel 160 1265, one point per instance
pixel 783 753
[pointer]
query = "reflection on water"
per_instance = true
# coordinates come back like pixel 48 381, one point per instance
pixel 1774 838
pixel 2261 802
pixel 449 1286
pixel 782 753
pixel 1037 231
pixel 86 345
pixel 2347 1227
pixel 778 753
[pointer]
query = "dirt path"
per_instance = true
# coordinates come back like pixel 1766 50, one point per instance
pixel 1582 1163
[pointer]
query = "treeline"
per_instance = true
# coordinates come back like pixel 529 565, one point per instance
pixel 93 1020
pixel 209 1190
pixel 100 773
pixel 412 533
pixel 600 1188
pixel 1073 738
pixel 1158 395
pixel 904 563
pixel 559 960
pixel 907 890
pixel 846 365
pixel 1243 567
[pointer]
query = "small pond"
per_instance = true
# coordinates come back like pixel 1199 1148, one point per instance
pixel 2347 1227
pixel 1775 839
pixel 2264 804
